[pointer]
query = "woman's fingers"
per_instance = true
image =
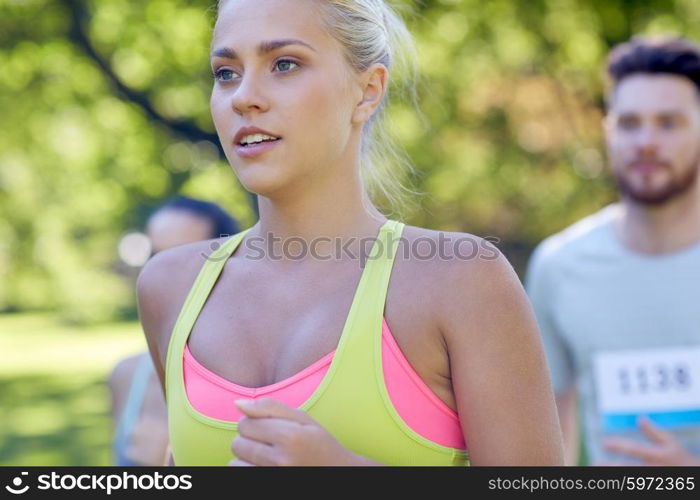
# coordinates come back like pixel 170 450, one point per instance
pixel 253 452
pixel 239 463
pixel 271 408
pixel 267 430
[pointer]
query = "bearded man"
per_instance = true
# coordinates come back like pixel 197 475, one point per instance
pixel 617 294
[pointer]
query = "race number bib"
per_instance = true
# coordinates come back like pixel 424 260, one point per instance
pixel 663 384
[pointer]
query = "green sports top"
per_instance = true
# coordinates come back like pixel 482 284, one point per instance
pixel 351 402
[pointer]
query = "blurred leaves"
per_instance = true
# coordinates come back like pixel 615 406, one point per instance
pixel 105 112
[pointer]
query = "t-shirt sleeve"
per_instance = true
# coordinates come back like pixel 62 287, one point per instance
pixel 540 284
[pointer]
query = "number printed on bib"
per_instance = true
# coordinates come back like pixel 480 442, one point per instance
pixel 663 384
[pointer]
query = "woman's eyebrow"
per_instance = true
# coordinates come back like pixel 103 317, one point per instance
pixel 263 48
pixel 266 47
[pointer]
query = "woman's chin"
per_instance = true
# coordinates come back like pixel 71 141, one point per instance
pixel 262 185
pixel 271 181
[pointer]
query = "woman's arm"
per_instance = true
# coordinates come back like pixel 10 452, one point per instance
pixel 151 300
pixel 161 288
pixel 499 376
pixel 567 407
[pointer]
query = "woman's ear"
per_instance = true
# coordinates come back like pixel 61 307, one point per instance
pixel 373 85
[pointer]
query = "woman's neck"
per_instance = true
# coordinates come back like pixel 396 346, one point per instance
pixel 338 213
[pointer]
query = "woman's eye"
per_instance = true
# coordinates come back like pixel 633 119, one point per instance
pixel 284 65
pixel 223 75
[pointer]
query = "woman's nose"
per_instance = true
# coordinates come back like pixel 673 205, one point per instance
pixel 249 96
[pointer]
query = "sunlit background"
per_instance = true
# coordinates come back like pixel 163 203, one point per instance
pixel 104 114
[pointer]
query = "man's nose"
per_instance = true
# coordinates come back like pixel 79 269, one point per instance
pixel 647 139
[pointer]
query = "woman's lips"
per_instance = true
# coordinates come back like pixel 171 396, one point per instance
pixel 255 150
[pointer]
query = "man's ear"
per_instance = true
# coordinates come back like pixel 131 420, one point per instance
pixel 373 85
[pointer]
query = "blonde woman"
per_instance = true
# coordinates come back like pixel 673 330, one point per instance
pixel 327 333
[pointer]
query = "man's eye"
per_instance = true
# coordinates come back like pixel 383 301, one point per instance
pixel 284 65
pixel 628 123
pixel 668 123
pixel 224 75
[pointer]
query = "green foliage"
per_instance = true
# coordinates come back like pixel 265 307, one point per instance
pixel 105 113
pixel 81 163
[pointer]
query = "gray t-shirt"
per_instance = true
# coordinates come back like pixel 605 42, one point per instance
pixel 623 326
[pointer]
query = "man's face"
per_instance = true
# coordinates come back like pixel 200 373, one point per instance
pixel 653 137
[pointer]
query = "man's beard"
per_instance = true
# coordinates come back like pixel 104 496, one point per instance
pixel 673 189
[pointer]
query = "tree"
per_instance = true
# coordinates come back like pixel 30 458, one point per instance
pixel 105 113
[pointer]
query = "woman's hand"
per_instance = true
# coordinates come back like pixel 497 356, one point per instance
pixel 273 434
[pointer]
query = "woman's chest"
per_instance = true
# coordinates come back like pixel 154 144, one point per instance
pixel 259 332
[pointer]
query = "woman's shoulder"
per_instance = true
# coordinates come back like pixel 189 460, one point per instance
pixel 166 270
pixel 467 271
pixel 450 252
pixel 164 282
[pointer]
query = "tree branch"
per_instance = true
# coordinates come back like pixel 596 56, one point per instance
pixel 186 128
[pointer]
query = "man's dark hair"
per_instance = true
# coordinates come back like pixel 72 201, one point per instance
pixel 221 222
pixel 674 56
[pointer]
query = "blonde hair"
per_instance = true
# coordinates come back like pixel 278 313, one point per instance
pixel 371 31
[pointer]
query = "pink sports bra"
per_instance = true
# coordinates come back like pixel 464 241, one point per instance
pixel 419 407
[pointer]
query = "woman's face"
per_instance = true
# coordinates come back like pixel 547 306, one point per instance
pixel 277 69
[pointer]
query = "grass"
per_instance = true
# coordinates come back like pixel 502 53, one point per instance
pixel 54 401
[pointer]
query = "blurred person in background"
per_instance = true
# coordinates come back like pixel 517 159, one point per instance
pixel 617 294
pixel 138 406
